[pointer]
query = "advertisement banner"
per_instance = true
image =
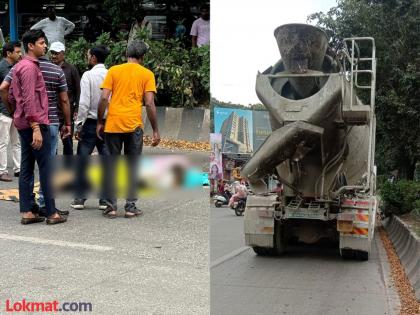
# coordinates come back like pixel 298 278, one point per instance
pixel 216 169
pixel 235 127
pixel 262 127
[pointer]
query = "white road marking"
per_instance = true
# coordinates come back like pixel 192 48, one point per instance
pixel 36 240
pixel 229 256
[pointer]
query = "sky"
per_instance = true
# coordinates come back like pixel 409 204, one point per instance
pixel 242 42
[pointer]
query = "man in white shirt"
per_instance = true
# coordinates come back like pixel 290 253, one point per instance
pixel 85 124
pixel 54 27
pixel 200 30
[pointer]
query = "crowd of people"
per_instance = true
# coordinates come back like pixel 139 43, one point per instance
pixel 44 99
pixel 182 25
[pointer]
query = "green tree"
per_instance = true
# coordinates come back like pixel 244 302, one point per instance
pixel 395 26
pixel 182 75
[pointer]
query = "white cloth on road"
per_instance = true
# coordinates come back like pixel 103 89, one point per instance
pixel 8 132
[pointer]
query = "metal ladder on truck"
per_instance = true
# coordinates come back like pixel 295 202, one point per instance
pixel 356 113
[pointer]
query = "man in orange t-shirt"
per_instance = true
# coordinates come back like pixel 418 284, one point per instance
pixel 128 86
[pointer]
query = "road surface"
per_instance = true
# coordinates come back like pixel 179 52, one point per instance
pixel 154 264
pixel 307 280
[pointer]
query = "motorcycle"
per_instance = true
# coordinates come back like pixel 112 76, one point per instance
pixel 239 206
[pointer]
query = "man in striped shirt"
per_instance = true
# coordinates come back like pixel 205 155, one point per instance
pixel 56 86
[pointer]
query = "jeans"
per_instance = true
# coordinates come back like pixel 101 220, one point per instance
pixel 133 145
pixel 85 147
pixel 54 138
pixel 8 132
pixel 26 178
pixel 54 143
pixel 89 140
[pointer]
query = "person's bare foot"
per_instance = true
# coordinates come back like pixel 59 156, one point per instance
pixel 56 218
pixel 30 217
pixel 109 213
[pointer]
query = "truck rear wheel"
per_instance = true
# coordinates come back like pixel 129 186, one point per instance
pixel 347 253
pixel 352 254
pixel 278 240
pixel 362 255
pixel 264 251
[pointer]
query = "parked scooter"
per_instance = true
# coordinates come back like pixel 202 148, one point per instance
pixel 220 200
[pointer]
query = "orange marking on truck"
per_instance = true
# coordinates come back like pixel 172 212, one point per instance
pixel 360 231
pixel 362 217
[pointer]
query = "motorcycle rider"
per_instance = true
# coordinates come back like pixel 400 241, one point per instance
pixel 240 192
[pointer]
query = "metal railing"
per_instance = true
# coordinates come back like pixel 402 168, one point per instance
pixel 354 82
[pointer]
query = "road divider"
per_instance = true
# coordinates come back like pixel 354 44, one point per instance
pixel 407 246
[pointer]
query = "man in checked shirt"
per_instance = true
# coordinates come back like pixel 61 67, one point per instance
pixel 56 87
pixel 28 101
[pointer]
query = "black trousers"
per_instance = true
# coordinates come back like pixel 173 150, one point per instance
pixel 133 146
pixel 27 168
pixel 85 147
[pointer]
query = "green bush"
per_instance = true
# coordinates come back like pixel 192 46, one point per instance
pixel 400 197
pixel 182 75
pixel 416 209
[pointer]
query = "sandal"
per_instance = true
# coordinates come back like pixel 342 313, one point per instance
pixel 133 213
pixel 57 220
pixel 107 213
pixel 36 219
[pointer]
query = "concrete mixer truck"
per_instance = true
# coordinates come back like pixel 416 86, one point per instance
pixel 321 103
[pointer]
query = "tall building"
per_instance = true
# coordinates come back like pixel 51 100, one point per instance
pixel 235 134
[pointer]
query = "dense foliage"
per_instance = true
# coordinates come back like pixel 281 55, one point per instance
pixel 182 75
pixel 395 25
pixel 400 197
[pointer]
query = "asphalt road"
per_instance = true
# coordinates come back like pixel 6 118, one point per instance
pixel 154 264
pixel 307 280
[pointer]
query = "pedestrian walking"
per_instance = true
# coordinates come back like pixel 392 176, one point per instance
pixel 29 97
pixel 86 121
pixel 57 51
pixel 55 27
pixel 131 85
pixel 8 132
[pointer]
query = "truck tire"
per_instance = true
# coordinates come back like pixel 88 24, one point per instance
pixel 362 255
pixel 263 251
pixel 279 243
pixel 279 238
pixel 351 254
pixel 347 253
